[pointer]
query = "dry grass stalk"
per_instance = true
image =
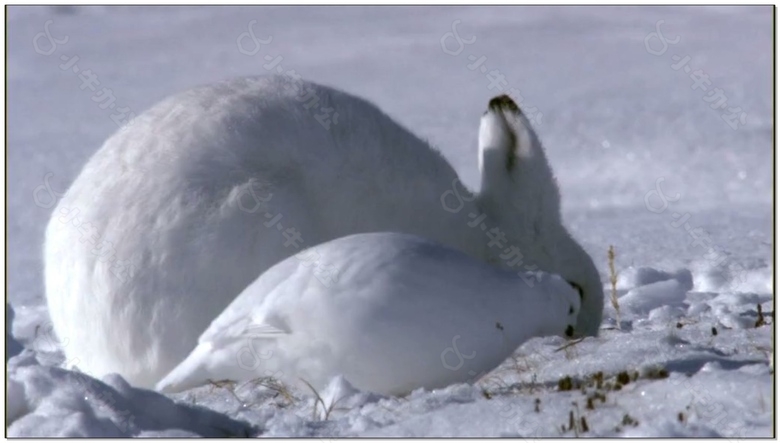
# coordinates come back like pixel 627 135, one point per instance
pixel 613 281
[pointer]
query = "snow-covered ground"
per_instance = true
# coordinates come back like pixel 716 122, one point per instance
pixel 644 159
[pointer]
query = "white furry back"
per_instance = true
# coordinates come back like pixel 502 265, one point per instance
pixel 199 195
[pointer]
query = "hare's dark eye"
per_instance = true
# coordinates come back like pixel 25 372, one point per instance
pixel 578 288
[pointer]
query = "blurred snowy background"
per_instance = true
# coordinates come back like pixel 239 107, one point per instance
pixel 657 121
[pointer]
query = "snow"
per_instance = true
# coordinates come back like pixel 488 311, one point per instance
pixel 635 277
pixel 616 120
pixel 655 295
pixel 47 401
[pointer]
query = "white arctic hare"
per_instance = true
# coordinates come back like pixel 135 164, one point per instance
pixel 405 313
pixel 210 187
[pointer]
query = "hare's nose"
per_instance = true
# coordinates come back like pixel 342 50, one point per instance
pixel 570 331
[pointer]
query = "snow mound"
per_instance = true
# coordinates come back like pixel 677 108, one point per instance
pixel 46 401
pixel 645 298
pixel 341 394
pixel 733 310
pixel 641 276
pixel 670 429
pixel 732 278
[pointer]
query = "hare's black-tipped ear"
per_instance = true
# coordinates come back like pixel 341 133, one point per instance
pixel 504 101
pixel 503 135
pixel 498 105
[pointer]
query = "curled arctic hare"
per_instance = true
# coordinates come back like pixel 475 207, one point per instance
pixel 203 192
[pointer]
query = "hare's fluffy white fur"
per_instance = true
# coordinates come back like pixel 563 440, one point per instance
pixel 176 214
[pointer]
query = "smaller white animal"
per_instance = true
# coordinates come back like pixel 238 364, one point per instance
pixel 404 313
